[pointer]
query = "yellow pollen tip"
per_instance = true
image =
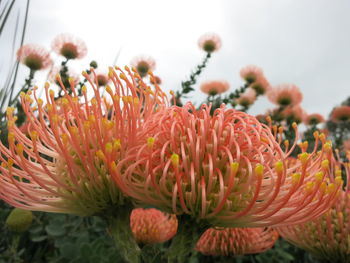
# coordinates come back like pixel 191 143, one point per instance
pixel 316 134
pixel 323 187
pixel 52 93
pixel 84 73
pixel 65 102
pixel 34 135
pixel 338 180
pixel 116 144
pixel 175 159
pixel 319 176
pixel 19 148
pixel 101 155
pixel 122 76
pixel 322 137
pixel 234 167
pixel 94 101
pixel 309 186
pixel 296 178
pixel 11 137
pixel 172 93
pixel 325 164
pixel 279 167
pixel 150 142
pixel 47 85
pixel 109 147
pixel 303 157
pixel 9 111
pixel 40 102
pixel 113 166
pixel 328 146
pixel 22 94
pixel 259 170
pixel 84 89
pixel 330 188
pixel 9 163
pixel 109 89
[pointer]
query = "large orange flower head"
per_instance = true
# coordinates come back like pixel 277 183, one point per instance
pixel 341 114
pixel 69 46
pixel 226 170
pixel 34 57
pixel 151 226
pixel 327 237
pixel 313 119
pixel 209 42
pixel 236 241
pixel 62 166
pixel 285 95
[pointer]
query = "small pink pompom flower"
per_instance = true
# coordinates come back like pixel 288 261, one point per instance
pixel 69 46
pixel 209 42
pixel 215 87
pixel 236 241
pixel 252 74
pixel 341 114
pixel 143 65
pixel 34 57
pixel 285 95
pixel 294 113
pixel 314 119
pixel 151 226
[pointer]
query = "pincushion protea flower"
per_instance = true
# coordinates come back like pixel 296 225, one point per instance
pixel 295 113
pixel 313 119
pixel 209 42
pixel 215 87
pixel 226 170
pixel 143 65
pixel 285 95
pixel 151 226
pixel 62 166
pixel 236 241
pixel 327 237
pixel 247 98
pixel 341 114
pixel 252 74
pixel 69 46
pixel 34 57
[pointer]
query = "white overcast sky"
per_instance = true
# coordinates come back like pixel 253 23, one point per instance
pixel 295 41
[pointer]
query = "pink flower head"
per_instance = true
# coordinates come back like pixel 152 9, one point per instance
pixel 236 241
pixel 313 119
pixel 326 237
pixel 294 113
pixel 252 73
pixel 143 65
pixel 227 169
pixel 102 79
pixel 247 98
pixel 285 95
pixel 34 57
pixel 341 114
pixel 151 226
pixel 261 86
pixel 156 80
pixel 215 87
pixel 69 46
pixel 63 165
pixel 209 42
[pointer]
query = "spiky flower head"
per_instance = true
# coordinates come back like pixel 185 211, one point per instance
pixel 341 114
pixel 69 46
pixel 35 57
pixel 62 166
pixel 327 237
pixel 294 113
pixel 214 87
pixel 209 42
pixel 101 79
pixel 285 95
pixel 247 98
pixel 236 241
pixel 313 119
pixel 151 226
pixel 227 170
pixel 143 65
pixel 252 74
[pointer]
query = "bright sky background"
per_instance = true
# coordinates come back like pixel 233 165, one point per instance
pixel 295 41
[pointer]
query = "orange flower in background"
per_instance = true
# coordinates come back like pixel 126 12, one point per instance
pixel 151 226
pixel 314 119
pixel 226 169
pixel 209 42
pixel 34 57
pixel 252 74
pixel 54 76
pixel 101 79
pixel 341 114
pixel 261 86
pixel 69 46
pixel 236 241
pixel 63 165
pixel 285 95
pixel 143 65
pixel 247 98
pixel 295 113
pixel 215 87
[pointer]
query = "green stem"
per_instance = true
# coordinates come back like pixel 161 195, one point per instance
pixel 119 229
pixel 184 243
